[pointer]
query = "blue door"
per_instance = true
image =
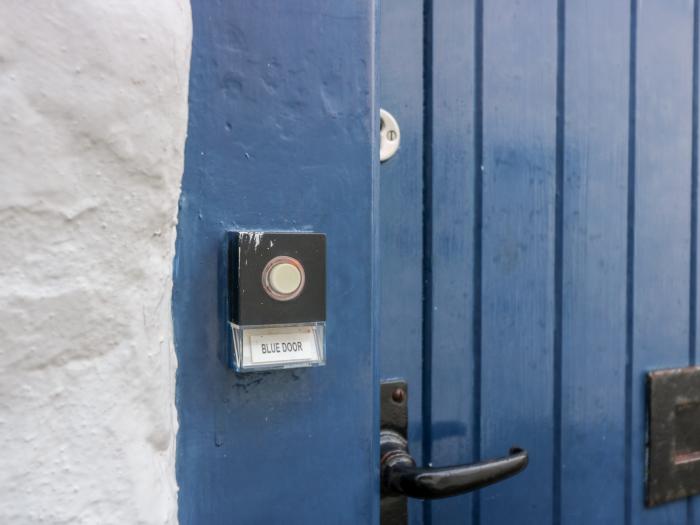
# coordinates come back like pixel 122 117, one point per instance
pixel 522 261
pixel 539 244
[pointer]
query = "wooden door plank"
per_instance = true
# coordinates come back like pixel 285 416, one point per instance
pixel 453 204
pixel 517 316
pixel 594 259
pixel 662 183
pixel 401 217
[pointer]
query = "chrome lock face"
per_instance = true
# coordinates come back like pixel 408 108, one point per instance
pixel 389 135
pixel 276 300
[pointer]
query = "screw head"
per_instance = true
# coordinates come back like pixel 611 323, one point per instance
pixel 398 395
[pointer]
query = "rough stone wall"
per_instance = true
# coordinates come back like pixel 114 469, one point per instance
pixel 93 113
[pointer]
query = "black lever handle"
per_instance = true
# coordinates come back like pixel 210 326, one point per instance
pixel 399 474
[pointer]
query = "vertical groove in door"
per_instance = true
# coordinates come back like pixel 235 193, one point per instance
pixel 558 264
pixel 427 241
pixel 692 332
pixel 629 324
pixel 478 206
pixel 694 198
pixel 375 264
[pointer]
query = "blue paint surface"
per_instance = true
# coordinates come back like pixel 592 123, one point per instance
pixel 560 245
pixel 282 116
pixel 538 244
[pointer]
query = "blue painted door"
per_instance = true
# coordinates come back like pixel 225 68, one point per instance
pixel 539 243
pixel 281 125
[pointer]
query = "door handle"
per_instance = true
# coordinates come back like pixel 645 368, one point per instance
pixel 401 479
pixel 401 476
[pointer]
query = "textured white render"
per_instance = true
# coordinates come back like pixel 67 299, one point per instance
pixel 93 113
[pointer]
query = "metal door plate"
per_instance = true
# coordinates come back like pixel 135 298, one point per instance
pixel 394 415
pixel 673 461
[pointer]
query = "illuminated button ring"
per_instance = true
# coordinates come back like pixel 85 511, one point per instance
pixel 283 278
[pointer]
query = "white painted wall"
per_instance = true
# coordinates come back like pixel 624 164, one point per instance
pixel 93 111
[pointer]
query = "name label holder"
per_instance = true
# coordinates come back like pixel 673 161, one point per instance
pixel 277 300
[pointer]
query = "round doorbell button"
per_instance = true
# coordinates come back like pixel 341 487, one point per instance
pixel 283 278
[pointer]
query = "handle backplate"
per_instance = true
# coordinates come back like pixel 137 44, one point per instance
pixel 394 416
